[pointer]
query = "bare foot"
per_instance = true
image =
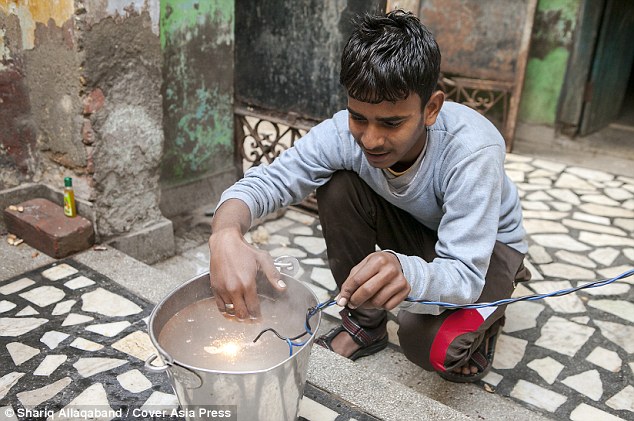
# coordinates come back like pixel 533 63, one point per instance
pixel 344 345
pixel 466 370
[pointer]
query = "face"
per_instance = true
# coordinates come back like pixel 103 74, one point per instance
pixel 392 134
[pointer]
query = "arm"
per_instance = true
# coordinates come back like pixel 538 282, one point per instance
pixel 466 235
pixel 234 263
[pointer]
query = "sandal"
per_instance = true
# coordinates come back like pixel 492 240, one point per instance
pixel 482 358
pixel 364 351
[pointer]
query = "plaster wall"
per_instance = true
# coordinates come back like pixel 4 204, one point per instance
pixel 197 39
pixel 122 120
pixel 80 89
pixel 39 75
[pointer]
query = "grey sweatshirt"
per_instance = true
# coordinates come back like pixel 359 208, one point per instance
pixel 460 190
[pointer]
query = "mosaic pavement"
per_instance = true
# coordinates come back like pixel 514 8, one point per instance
pixel 76 341
pixel 569 357
pixel 74 337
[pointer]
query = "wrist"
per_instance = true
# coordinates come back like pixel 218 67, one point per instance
pixel 224 234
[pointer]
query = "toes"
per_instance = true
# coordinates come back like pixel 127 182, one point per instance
pixel 466 370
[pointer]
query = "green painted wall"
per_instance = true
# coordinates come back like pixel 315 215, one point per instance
pixel 197 38
pixel 553 29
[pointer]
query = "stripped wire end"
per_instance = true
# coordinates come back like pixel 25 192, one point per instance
pixel 308 331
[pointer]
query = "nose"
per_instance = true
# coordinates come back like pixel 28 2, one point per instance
pixel 372 139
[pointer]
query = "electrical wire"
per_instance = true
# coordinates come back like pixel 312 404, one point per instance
pixel 291 341
pixel 308 331
pixel 533 297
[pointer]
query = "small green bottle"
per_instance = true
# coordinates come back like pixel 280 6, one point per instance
pixel 69 198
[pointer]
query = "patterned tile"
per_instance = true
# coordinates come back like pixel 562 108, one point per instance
pixel 567 357
pixel 54 360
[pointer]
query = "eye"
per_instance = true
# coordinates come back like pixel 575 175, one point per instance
pixel 392 124
pixel 357 117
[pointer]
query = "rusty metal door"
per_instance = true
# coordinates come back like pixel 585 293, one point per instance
pixel 484 46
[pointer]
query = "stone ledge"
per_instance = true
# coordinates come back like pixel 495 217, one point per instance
pixel 149 245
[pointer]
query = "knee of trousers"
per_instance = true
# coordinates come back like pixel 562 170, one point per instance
pixel 339 188
pixel 415 342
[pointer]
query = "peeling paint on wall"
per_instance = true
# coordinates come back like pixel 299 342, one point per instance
pixel 544 79
pixel 186 15
pixel 101 9
pixel 552 38
pixel 197 40
pixel 33 12
pixel 204 130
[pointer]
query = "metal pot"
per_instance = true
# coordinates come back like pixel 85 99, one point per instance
pixel 269 394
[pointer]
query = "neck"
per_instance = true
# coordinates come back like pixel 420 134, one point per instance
pixel 402 166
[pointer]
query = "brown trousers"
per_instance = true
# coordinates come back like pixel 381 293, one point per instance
pixel 354 220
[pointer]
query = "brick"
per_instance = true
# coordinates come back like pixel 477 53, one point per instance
pixel 94 101
pixel 44 226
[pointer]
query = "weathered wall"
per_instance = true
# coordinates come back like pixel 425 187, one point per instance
pixel 288 53
pixel 197 38
pixel 80 91
pixel 551 43
pixel 39 76
pixel 122 123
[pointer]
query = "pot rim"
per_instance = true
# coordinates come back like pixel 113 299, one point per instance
pixel 168 360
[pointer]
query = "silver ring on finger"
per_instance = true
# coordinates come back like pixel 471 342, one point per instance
pixel 229 308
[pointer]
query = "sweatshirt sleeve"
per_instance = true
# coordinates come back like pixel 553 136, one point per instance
pixel 295 173
pixel 466 234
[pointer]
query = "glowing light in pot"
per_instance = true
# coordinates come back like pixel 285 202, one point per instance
pixel 229 349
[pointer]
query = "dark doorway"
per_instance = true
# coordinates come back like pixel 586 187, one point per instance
pixel 626 116
pixel 598 89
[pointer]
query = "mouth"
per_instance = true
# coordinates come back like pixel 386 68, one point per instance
pixel 375 158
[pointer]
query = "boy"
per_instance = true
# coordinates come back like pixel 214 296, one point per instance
pixel 422 179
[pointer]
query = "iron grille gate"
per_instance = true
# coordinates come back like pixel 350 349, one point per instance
pixel 262 135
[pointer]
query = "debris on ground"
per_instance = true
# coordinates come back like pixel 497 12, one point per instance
pixel 13 240
pixel 260 235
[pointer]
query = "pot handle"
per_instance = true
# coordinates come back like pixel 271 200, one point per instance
pixel 155 368
pixel 287 265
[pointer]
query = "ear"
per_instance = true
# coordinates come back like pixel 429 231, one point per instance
pixel 433 106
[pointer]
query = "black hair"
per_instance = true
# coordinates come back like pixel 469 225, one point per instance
pixel 389 56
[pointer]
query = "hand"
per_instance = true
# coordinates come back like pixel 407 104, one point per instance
pixel 233 267
pixel 376 282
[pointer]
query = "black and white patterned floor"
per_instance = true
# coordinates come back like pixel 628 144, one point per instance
pixel 76 343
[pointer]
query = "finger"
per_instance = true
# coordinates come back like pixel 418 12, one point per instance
pixel 391 295
pixel 362 285
pixel 221 303
pixel 350 285
pixel 386 285
pixel 395 301
pixel 270 271
pixel 252 302
pixel 239 306
pixel 366 295
pixel 220 297
pixel 235 294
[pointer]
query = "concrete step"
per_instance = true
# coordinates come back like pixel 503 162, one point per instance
pixel 370 392
pixel 375 382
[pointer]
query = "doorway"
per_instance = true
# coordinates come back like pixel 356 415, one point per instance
pixel 599 89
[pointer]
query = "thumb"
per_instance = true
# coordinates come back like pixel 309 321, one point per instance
pixel 347 289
